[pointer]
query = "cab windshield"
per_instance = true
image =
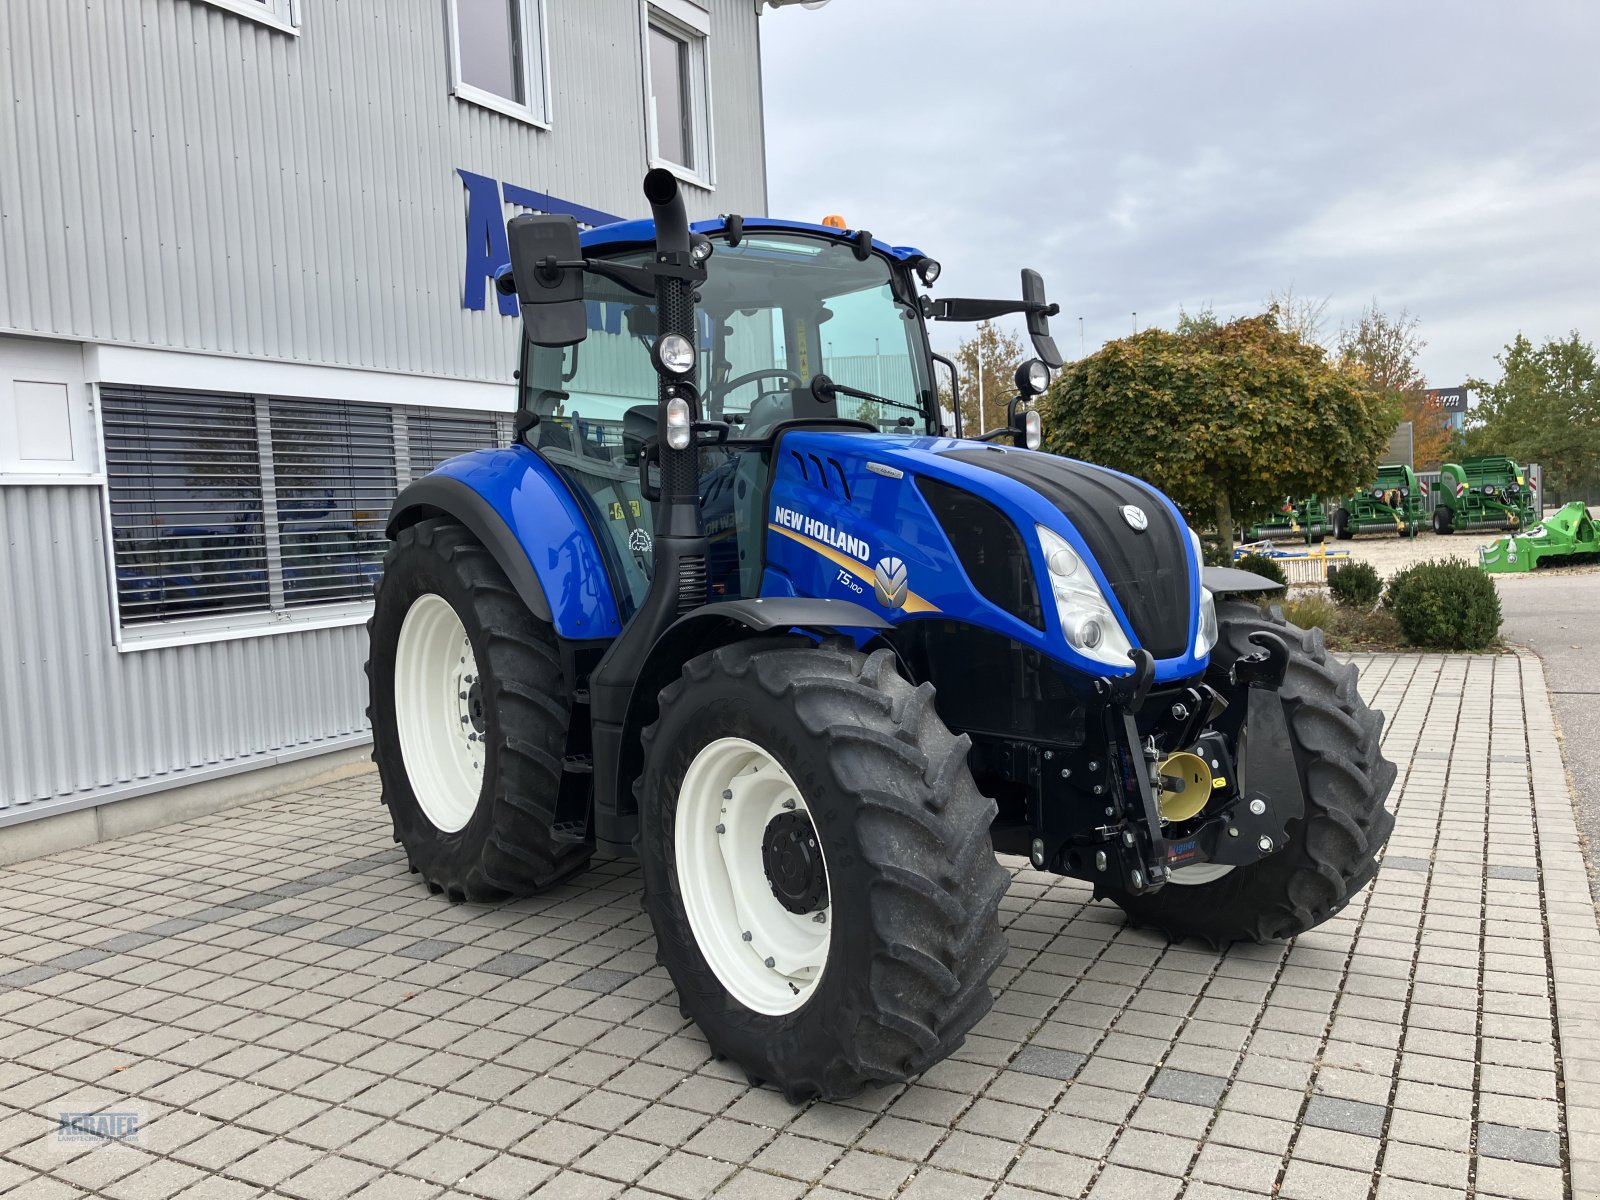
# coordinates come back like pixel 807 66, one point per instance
pixel 775 311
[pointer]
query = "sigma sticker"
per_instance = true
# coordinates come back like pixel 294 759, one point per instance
pixel 1182 851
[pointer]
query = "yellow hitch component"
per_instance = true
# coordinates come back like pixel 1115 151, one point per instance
pixel 1185 786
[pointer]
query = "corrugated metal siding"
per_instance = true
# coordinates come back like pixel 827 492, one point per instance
pixel 77 718
pixel 174 175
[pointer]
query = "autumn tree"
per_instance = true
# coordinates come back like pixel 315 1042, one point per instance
pixel 1226 420
pixel 1300 315
pixel 1386 350
pixel 998 354
pixel 1544 408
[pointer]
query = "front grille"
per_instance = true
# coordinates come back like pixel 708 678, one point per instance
pixel 989 547
pixel 1148 570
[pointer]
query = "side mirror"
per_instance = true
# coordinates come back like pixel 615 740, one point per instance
pixel 547 271
pixel 1039 311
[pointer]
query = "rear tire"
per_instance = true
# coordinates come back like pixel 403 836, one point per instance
pixel 911 893
pixel 1443 521
pixel 1341 525
pixel 504 688
pixel 1331 852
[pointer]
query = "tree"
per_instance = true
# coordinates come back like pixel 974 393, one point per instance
pixel 1301 315
pixel 1386 350
pixel 1000 353
pixel 1545 408
pixel 1226 420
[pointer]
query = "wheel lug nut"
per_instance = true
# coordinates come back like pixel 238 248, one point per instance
pixel 745 935
pixel 821 918
pixel 727 793
pixel 722 829
pixel 789 804
pixel 770 963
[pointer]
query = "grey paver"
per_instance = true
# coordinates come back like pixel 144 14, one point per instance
pixel 1188 1087
pixel 1536 1146
pixel 1347 1116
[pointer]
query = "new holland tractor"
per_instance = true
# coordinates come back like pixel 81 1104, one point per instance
pixel 812 662
pixel 1483 493
pixel 1393 504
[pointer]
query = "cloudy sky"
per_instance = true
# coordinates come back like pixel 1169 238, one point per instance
pixel 1442 158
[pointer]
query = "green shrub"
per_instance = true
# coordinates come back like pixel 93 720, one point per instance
pixel 1445 604
pixel 1213 553
pixel 1260 564
pixel 1355 585
pixel 1309 610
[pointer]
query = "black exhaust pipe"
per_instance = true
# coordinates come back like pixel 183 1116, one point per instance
pixel 678 577
pixel 666 207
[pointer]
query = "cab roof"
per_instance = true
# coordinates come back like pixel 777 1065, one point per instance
pixel 643 232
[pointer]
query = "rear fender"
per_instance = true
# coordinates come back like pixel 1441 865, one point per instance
pixel 516 505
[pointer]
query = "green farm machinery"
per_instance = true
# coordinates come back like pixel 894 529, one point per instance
pixel 1306 519
pixel 1566 537
pixel 1392 504
pixel 1491 492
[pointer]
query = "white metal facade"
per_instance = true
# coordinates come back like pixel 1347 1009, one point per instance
pixel 193 200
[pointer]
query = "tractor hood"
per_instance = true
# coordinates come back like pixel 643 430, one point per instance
pixel 923 527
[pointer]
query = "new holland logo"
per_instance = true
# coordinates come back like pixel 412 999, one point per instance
pixel 889 582
pixel 1134 516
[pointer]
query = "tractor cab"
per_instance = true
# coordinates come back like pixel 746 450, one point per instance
pixel 782 307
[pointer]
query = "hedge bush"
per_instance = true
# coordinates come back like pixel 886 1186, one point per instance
pixel 1260 564
pixel 1445 604
pixel 1355 585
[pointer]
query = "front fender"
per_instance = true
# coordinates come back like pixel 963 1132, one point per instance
pixel 522 512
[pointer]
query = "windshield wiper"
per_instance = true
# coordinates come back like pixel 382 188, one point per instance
pixel 826 389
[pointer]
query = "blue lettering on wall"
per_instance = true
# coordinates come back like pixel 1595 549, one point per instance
pixel 487 251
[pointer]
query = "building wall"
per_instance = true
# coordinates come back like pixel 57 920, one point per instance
pixel 193 179
pixel 192 199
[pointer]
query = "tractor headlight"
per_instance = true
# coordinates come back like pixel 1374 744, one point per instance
pixel 675 354
pixel 1087 622
pixel 1206 639
pixel 928 271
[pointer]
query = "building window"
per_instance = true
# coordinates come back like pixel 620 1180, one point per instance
pixel 678 88
pixel 498 56
pixel 232 513
pixel 280 14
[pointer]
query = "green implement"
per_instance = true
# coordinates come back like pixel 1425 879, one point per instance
pixel 1477 493
pixel 1567 536
pixel 1393 504
pixel 1306 519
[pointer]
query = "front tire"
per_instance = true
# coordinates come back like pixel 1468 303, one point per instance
pixel 1341 525
pixel 1443 521
pixel 866 963
pixel 1331 852
pixel 469 719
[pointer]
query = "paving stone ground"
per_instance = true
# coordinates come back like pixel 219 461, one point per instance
pixel 287 1012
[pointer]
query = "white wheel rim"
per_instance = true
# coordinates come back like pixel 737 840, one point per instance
pixel 768 958
pixel 1207 872
pixel 438 712
pixel 1210 872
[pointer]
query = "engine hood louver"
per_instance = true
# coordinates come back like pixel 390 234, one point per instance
pixel 1148 569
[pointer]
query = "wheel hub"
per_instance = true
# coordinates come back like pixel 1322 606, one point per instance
pixel 793 863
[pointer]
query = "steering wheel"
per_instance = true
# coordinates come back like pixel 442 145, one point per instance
pixel 722 392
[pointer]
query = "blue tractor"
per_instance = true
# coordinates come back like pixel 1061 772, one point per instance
pixel 735 606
